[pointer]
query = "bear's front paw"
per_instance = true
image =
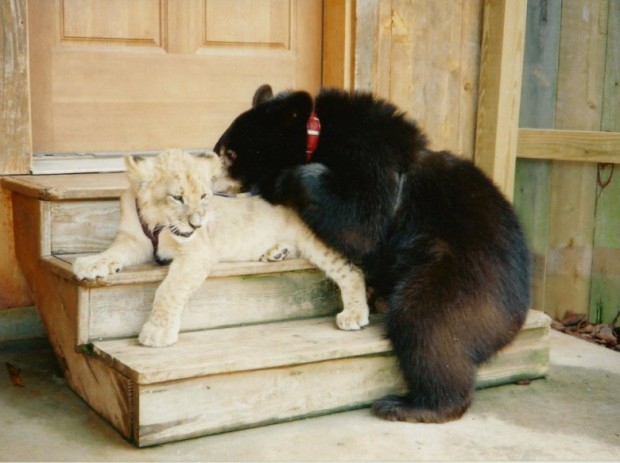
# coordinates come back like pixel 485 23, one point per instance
pixel 92 267
pixel 154 334
pixel 351 320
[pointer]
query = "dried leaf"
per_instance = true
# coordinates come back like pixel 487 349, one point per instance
pixel 572 319
pixel 14 374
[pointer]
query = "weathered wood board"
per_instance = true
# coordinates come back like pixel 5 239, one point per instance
pixel 83 226
pixel 424 56
pixel 538 91
pixel 15 140
pixel 605 287
pixel 118 306
pixel 572 202
pixel 219 403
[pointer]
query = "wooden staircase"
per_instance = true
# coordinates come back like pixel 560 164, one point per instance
pixel 259 343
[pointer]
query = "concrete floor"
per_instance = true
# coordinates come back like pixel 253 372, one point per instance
pixel 572 415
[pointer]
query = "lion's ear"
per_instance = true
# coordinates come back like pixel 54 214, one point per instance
pixel 214 162
pixel 138 169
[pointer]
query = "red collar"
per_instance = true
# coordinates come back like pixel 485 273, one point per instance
pixel 313 129
pixel 153 235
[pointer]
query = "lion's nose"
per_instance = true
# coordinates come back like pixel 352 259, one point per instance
pixel 194 221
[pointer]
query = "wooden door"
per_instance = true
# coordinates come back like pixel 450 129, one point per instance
pixel 141 75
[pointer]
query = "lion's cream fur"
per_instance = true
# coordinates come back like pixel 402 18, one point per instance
pixel 173 191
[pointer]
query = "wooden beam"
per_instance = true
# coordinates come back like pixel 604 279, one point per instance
pixel 569 145
pixel 338 43
pixel 15 140
pixel 501 68
pixel 14 89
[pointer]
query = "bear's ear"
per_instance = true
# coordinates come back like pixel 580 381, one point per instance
pixel 299 106
pixel 263 93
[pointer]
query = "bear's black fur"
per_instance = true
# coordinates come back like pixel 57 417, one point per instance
pixel 438 242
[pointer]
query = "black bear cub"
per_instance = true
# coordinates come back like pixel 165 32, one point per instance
pixel 438 243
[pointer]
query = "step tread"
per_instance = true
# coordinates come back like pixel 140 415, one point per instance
pixel 245 348
pixel 256 347
pixel 68 186
pixel 147 273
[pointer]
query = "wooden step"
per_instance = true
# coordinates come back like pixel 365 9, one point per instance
pixel 234 378
pixel 80 212
pixel 234 294
pixel 285 359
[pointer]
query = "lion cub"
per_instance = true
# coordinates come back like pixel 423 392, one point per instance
pixel 170 213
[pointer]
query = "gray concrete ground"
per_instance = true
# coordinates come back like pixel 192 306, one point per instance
pixel 572 415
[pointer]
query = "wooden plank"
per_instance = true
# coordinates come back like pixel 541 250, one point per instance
pixel 367 25
pixel 227 402
pixel 540 66
pixel 604 294
pixel 149 273
pixel 86 226
pixel 434 48
pixel 68 187
pixel 611 86
pixel 526 358
pixel 14 292
pixel 569 145
pixel 338 43
pixel 257 299
pixel 15 140
pixel 241 349
pixel 572 204
pixel 501 67
pixel 251 348
pixel 14 89
pixel 538 91
pixel 373 47
pixel 103 388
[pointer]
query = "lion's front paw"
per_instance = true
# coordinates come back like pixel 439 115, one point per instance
pixel 91 267
pixel 351 320
pixel 278 252
pixel 159 334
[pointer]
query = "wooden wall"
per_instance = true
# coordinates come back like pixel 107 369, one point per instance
pixel 14 140
pixel 571 209
pixel 425 57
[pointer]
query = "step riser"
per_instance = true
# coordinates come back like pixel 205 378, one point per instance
pixel 120 311
pixel 219 403
pixel 78 227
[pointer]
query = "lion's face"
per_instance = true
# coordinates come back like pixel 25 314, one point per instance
pixel 173 190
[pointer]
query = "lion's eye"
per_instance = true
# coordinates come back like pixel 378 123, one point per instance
pixel 178 199
pixel 204 195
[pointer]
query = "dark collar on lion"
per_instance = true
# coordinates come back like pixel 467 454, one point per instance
pixel 313 129
pixel 152 235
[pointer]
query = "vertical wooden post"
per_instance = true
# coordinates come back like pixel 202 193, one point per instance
pixel 339 43
pixel 15 139
pixel 501 67
pixel 15 149
pixel 532 190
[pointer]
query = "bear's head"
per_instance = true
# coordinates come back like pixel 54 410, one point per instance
pixel 265 139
